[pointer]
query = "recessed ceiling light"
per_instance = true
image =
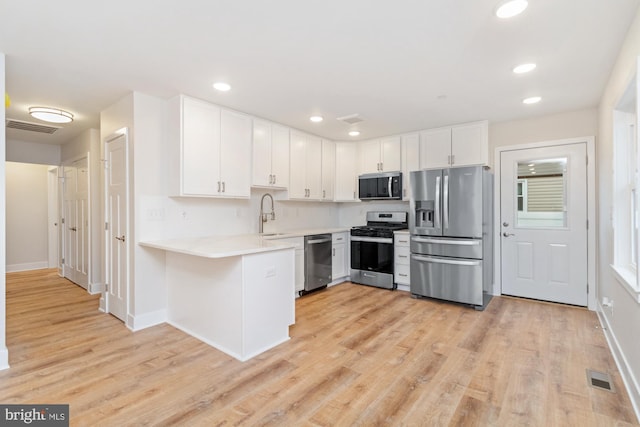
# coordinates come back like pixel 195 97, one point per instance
pixel 53 115
pixel 316 119
pixel 511 8
pixel 532 100
pixel 524 68
pixel 354 133
pixel 222 86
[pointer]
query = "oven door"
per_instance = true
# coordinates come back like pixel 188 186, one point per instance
pixel 372 254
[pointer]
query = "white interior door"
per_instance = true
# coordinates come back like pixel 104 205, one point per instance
pixel 76 222
pixel 53 216
pixel 543 223
pixel 69 223
pixel 117 236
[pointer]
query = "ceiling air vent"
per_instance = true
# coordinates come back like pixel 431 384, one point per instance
pixel 31 127
pixel 351 119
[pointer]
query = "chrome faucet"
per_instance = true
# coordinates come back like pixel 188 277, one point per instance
pixel 264 217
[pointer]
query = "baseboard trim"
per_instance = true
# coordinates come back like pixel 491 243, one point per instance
pixel 4 358
pixel 630 383
pixel 95 288
pixel 12 268
pixel 146 320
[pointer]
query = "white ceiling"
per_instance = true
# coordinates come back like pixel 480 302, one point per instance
pixel 402 65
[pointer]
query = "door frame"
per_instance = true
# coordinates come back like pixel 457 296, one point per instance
pixel 591 211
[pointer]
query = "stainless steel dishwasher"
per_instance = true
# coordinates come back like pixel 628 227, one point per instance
pixel 317 262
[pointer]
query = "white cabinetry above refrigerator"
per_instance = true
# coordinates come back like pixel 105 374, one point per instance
pixel 461 145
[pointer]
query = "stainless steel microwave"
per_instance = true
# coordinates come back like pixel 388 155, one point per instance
pixel 380 186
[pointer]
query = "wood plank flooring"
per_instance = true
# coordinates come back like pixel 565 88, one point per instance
pixel 357 356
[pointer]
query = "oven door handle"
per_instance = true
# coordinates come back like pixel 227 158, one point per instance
pixel 447 242
pixel 445 261
pixel 371 239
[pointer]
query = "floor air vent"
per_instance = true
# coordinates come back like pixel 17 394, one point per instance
pixel 600 380
pixel 31 127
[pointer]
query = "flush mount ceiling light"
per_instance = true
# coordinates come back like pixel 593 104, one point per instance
pixel 52 115
pixel 524 68
pixel 354 133
pixel 532 100
pixel 511 8
pixel 222 86
pixel 316 119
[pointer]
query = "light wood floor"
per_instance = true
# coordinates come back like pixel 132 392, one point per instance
pixel 357 356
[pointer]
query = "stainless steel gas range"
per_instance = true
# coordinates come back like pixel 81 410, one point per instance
pixel 372 249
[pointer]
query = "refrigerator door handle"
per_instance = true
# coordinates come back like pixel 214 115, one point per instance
pixel 437 204
pixel 445 203
pixel 445 261
pixel 447 242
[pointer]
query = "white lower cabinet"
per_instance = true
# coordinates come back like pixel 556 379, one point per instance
pixel 339 255
pixel 402 253
pixel 299 275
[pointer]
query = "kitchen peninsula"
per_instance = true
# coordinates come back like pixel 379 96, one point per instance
pixel 235 293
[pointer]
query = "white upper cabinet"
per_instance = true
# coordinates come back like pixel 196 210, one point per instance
pixel 380 155
pixel 328 169
pixel 410 161
pixel 346 187
pixel 305 178
pixel 460 145
pixel 211 150
pixel 270 155
pixel 235 154
pixel 470 144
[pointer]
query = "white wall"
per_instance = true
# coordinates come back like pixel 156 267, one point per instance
pixel 624 319
pixel 27 216
pixel 565 125
pixel 4 353
pixel 32 152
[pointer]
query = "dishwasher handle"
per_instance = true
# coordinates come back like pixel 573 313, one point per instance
pixel 315 241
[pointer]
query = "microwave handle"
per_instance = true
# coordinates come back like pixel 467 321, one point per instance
pixel 389 185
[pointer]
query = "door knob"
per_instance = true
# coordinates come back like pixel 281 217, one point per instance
pixel 505 234
pixel 505 224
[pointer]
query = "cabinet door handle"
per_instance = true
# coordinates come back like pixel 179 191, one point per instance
pixel 324 194
pixel 270 179
pixel 449 159
pixel 120 238
pixel 402 274
pixel 453 159
pixel 223 187
pixel 218 186
pixel 274 179
pixel 334 251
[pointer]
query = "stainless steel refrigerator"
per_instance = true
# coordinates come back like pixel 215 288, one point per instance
pixel 451 226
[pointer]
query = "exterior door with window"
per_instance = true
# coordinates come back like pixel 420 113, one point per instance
pixel 543 223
